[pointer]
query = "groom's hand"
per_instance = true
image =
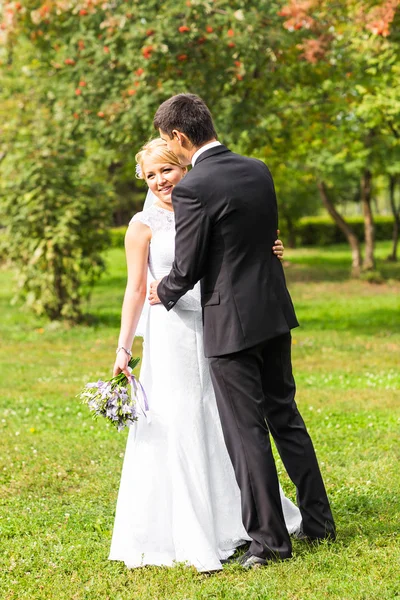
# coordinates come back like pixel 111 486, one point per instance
pixel 153 296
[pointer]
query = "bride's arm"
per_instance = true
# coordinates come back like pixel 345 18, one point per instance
pixel 137 242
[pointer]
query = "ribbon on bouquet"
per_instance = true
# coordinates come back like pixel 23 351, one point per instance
pixel 139 393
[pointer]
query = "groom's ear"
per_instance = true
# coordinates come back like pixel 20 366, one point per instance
pixel 178 136
pixel 181 138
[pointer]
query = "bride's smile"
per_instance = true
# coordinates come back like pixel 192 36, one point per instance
pixel 161 178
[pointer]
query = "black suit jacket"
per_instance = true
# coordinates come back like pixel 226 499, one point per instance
pixel 226 220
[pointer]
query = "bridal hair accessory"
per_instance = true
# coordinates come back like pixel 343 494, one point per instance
pixel 139 172
pixel 118 400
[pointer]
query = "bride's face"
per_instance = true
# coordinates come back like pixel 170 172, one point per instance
pixel 161 178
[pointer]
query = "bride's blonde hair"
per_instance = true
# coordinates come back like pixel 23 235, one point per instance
pixel 156 148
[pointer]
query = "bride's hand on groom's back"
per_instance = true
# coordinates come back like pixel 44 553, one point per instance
pixel 278 247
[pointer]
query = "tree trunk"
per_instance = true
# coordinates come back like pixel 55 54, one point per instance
pixel 345 228
pixel 369 229
pixel 396 216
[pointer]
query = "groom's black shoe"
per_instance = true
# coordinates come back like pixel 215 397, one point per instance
pixel 250 561
pixel 237 554
pixel 309 539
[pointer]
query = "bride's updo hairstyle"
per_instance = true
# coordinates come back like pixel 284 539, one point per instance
pixel 157 150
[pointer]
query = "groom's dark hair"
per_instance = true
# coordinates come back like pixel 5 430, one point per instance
pixel 189 114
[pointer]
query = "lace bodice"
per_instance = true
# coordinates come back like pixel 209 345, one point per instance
pixel 162 245
pixel 157 218
pixel 162 250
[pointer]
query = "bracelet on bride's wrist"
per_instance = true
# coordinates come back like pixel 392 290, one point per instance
pixel 128 352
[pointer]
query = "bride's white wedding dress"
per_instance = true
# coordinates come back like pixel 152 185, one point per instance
pixel 178 498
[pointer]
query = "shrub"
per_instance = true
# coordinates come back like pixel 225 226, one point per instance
pixel 117 236
pixel 322 231
pixel 56 223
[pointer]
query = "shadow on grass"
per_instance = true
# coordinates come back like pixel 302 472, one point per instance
pixel 323 271
pixel 324 264
pixel 383 321
pixel 300 273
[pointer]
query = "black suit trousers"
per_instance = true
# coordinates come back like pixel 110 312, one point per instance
pixel 255 393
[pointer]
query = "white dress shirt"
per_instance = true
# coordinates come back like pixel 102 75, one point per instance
pixel 203 149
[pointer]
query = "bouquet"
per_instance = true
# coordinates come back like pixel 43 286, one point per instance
pixel 117 399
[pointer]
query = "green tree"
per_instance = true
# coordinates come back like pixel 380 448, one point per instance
pixel 347 91
pixel 56 218
pixel 302 85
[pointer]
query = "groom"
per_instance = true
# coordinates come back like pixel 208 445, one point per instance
pixel 226 220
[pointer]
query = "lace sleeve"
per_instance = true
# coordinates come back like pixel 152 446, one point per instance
pixel 158 219
pixel 143 217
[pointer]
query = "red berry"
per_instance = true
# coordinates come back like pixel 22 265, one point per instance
pixel 183 29
pixel 209 29
pixel 146 51
pixel 78 91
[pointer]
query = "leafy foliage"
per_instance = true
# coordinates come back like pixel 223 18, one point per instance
pixel 309 86
pixel 56 227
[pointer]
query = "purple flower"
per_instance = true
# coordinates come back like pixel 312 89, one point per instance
pixel 113 400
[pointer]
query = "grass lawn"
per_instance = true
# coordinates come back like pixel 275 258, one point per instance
pixel 59 470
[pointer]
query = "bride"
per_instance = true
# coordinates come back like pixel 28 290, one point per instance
pixel 178 499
